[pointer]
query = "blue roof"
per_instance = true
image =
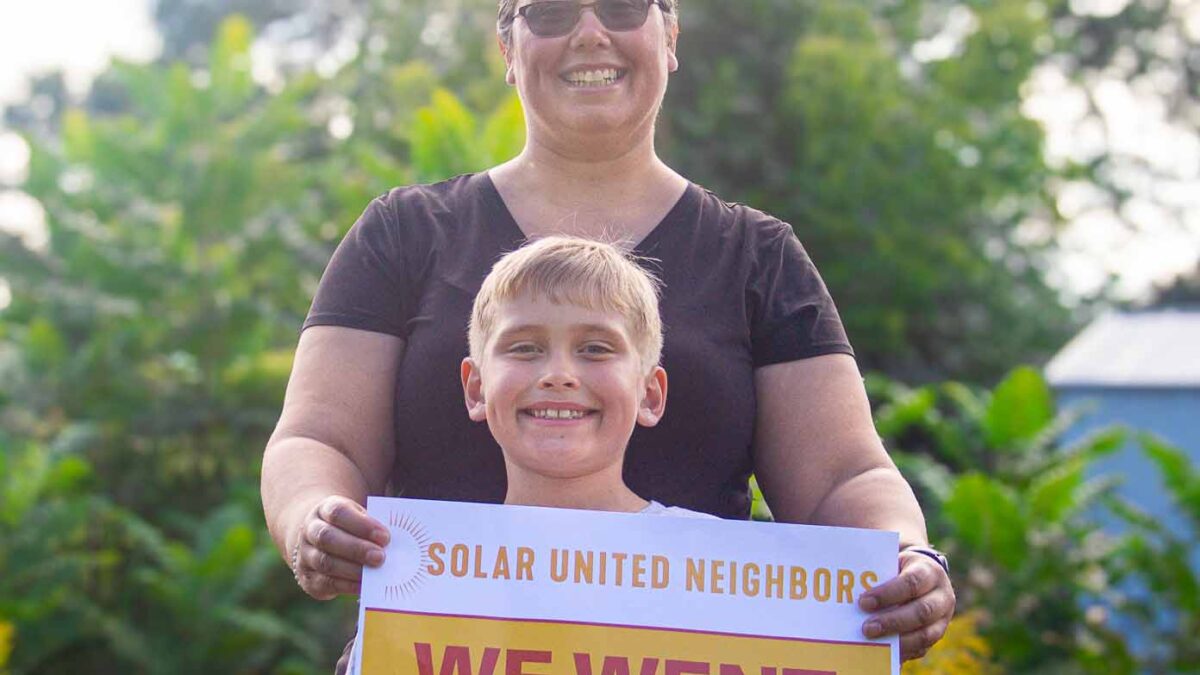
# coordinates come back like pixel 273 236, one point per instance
pixel 1159 348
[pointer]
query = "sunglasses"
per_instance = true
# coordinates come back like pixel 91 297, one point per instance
pixel 558 17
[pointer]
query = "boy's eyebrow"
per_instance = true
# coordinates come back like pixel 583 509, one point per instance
pixel 523 328
pixel 536 327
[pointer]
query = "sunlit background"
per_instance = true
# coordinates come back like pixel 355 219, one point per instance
pixel 1136 121
pixel 1002 195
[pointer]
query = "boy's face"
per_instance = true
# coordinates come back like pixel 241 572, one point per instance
pixel 561 387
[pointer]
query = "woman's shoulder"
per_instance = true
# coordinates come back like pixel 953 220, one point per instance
pixel 732 218
pixel 443 197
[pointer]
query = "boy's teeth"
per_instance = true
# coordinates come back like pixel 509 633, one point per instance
pixel 557 414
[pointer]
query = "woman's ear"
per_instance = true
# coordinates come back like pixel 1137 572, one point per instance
pixel 654 400
pixel 506 51
pixel 473 391
pixel 672 44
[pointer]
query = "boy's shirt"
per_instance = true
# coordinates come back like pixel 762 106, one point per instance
pixel 656 509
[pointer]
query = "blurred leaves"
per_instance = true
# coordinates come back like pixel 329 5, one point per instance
pixel 191 207
pixel 1020 407
pixel 1023 516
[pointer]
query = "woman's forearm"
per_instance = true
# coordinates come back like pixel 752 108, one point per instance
pixel 878 498
pixel 297 473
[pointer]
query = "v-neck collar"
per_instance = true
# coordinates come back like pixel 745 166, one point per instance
pixel 675 216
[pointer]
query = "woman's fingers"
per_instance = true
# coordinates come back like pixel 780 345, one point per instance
pixel 914 645
pixel 323 587
pixel 914 615
pixel 343 529
pixel 350 516
pixel 334 541
pixel 917 605
pixel 337 539
pixel 918 575
pixel 315 560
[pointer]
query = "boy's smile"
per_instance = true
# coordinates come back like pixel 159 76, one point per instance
pixel 561 388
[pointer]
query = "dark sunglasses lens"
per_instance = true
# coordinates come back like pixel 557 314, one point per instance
pixel 622 14
pixel 551 19
pixel 554 19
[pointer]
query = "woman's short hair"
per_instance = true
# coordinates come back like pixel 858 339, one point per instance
pixel 508 11
pixel 573 271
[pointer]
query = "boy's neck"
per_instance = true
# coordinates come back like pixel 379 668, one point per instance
pixel 592 493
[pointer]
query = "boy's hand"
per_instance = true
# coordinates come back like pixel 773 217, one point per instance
pixel 336 539
pixel 917 605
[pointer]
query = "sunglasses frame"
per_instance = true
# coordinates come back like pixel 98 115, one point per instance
pixel 580 6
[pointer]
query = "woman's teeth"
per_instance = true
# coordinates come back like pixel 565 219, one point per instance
pixel 558 414
pixel 594 78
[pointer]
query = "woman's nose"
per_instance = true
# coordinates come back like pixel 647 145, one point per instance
pixel 589 32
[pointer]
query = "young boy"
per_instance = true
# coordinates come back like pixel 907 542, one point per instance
pixel 565 339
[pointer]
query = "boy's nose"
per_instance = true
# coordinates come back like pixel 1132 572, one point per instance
pixel 558 379
pixel 559 375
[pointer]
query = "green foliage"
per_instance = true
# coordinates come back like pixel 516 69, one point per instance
pixel 147 348
pixel 1019 409
pixel 1015 508
pixel 906 180
pixel 446 140
pixel 1160 561
pixel 54 546
pixel 190 211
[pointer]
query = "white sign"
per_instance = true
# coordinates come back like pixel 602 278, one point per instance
pixel 475 589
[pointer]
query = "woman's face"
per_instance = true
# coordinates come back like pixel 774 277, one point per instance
pixel 592 82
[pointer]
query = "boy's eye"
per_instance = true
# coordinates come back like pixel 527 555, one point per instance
pixel 523 348
pixel 597 349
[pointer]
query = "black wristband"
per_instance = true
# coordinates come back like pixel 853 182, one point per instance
pixel 934 554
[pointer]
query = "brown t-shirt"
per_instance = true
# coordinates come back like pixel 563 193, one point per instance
pixel 739 292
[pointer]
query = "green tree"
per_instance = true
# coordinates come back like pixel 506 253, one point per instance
pixel 149 343
pixel 905 180
pixel 1015 509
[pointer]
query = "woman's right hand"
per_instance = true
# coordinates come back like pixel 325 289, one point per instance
pixel 335 540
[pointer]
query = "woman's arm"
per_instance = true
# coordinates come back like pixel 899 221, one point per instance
pixel 819 460
pixel 333 445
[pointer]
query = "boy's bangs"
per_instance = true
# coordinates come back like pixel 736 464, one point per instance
pixel 568 271
pixel 603 294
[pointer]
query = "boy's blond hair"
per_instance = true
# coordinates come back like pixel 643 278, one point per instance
pixel 575 271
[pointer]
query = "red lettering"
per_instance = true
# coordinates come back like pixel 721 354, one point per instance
pixel 612 665
pixel 455 660
pixel 679 667
pixel 514 663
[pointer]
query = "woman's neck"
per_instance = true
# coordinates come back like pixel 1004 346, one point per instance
pixel 621 194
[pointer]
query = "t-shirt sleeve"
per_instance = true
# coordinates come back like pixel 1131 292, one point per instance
pixel 366 284
pixel 794 315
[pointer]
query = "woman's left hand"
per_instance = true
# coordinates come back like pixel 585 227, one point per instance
pixel 916 605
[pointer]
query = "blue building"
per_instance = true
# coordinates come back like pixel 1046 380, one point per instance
pixel 1142 370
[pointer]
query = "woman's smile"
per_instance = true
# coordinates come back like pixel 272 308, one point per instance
pixel 594 77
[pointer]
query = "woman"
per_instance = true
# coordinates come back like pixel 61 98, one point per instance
pixel 763 378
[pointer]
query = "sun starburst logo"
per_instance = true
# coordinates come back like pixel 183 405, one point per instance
pixel 407 557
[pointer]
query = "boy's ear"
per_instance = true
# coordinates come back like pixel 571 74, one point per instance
pixel 654 401
pixel 473 391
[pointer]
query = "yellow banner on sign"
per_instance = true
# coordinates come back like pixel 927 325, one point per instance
pixel 407 643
